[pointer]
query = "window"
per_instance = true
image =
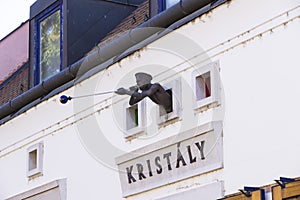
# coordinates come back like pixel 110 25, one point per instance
pixel 165 4
pixel 288 191
pixel 174 89
pixel 162 111
pixel 32 163
pixel 35 160
pixel 206 86
pixel 203 86
pixel 48 43
pixel 134 119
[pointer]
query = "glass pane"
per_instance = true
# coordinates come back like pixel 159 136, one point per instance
pixel 32 160
pixel 50 46
pixel 203 86
pixel 132 117
pixel 170 3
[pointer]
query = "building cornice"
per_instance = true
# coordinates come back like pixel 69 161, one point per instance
pixel 170 19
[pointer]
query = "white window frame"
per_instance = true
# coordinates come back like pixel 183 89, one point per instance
pixel 215 85
pixel 38 170
pixel 175 85
pixel 140 128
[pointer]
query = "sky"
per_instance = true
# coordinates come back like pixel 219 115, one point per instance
pixel 12 14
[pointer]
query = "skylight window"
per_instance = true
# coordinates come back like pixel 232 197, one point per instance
pixel 48 44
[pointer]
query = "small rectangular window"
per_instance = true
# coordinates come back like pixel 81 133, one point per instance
pixel 174 89
pixel 162 111
pixel 35 160
pixel 203 86
pixel 32 163
pixel 206 86
pixel 134 119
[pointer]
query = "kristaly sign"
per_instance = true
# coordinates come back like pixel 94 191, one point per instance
pixel 179 157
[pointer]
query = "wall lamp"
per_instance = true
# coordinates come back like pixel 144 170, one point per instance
pixel 282 181
pixel 247 190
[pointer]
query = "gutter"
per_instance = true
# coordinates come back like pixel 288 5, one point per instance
pixel 107 52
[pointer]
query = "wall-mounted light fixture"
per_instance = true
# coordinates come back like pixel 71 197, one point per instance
pixel 282 181
pixel 247 190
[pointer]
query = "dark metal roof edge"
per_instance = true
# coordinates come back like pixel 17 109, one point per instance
pixel 122 3
pixel 148 40
pixel 114 48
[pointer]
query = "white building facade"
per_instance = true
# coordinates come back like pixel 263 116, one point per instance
pixel 233 77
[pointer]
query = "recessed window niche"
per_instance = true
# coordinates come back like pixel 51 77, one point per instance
pixel 35 159
pixel 206 86
pixel 134 119
pixel 174 89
